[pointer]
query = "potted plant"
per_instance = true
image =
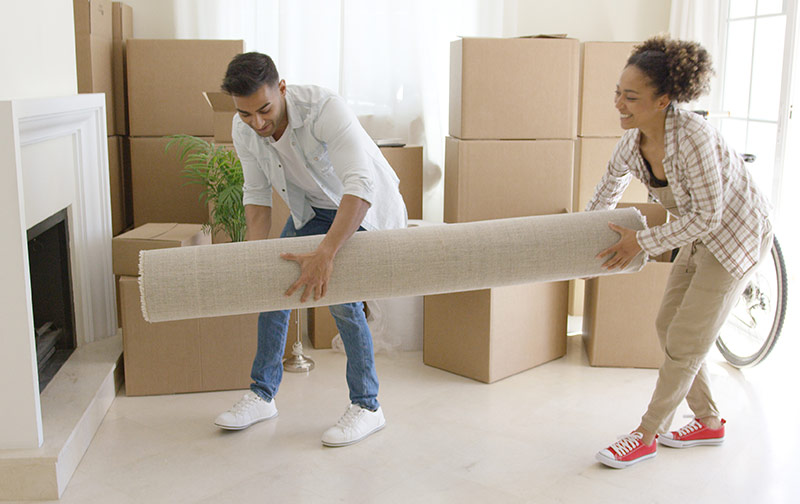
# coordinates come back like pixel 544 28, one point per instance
pixel 218 170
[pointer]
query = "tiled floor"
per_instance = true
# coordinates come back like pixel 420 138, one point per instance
pixel 528 438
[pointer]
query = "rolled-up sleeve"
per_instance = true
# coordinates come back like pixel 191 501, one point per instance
pixel 347 142
pixel 257 189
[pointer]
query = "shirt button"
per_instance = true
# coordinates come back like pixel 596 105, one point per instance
pixel 284 190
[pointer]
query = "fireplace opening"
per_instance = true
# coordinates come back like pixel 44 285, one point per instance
pixel 51 294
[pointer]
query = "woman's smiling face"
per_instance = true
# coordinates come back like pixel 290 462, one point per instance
pixel 636 100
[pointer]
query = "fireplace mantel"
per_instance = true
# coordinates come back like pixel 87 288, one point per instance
pixel 53 155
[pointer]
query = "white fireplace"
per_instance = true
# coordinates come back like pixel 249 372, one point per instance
pixel 53 156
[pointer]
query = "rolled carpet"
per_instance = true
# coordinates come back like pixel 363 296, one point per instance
pixel 248 277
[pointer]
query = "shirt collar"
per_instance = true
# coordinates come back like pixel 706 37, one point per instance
pixel 295 121
pixel 670 131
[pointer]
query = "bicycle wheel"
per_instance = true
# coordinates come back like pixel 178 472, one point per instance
pixel 753 326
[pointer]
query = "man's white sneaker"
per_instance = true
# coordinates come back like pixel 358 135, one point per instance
pixel 249 410
pixel 356 424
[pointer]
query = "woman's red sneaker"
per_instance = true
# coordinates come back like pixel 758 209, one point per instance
pixel 627 451
pixel 695 433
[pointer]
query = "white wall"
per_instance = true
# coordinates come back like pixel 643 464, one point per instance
pixel 37 59
pixel 595 20
pixel 613 20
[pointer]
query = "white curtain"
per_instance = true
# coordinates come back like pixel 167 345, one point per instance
pixel 388 59
pixel 700 20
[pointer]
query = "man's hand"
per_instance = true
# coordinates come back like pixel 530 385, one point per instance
pixel 316 267
pixel 315 271
pixel 622 252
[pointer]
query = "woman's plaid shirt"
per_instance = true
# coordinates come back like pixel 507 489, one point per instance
pixel 718 200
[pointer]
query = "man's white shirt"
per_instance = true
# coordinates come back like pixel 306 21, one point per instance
pixel 325 138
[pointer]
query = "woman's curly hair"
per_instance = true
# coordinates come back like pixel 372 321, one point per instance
pixel 678 68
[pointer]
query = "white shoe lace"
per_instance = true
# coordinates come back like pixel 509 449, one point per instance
pixel 351 416
pixel 244 403
pixel 694 425
pixel 627 443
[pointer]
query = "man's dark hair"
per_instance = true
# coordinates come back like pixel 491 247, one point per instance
pixel 248 72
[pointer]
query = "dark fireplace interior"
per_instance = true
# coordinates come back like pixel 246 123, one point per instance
pixel 51 293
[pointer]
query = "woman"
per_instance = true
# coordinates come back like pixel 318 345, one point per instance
pixel 720 222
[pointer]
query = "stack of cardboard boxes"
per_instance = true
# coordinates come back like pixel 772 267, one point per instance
pixel 157 88
pixel 166 81
pixel 154 88
pixel 599 131
pixel 513 123
pixel 101 28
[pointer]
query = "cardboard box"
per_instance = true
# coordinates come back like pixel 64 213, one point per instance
pixel 121 30
pixel 620 310
pixel 601 65
pixel 514 88
pixel 492 179
pixel 321 327
pixel 407 164
pixel 125 153
pixel 222 105
pixel 92 17
pixel 125 248
pixel 494 333
pixel 117 178
pixel 197 355
pixel 93 52
pixel 160 190
pixel 166 81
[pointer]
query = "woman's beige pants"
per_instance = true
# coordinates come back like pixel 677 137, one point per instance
pixel 699 295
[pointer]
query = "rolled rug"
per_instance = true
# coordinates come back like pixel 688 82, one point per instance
pixel 249 277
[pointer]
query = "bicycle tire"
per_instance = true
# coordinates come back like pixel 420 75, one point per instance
pixel 741 361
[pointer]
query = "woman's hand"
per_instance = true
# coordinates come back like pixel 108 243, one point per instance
pixel 622 252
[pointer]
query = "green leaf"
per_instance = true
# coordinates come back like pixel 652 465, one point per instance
pixel 219 172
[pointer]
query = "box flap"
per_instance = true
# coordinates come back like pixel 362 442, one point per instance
pixel 219 101
pixel 547 35
pixel 540 36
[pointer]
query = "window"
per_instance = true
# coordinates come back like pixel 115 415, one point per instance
pixel 758 39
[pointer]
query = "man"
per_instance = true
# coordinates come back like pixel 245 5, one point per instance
pixel 306 143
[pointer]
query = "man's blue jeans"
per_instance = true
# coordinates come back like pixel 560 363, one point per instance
pixel 267 369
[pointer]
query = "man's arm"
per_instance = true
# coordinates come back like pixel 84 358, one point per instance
pixel 259 222
pixel 316 267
